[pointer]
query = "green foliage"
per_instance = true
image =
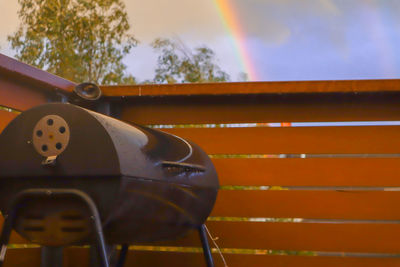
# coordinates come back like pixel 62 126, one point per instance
pixel 178 63
pixel 81 40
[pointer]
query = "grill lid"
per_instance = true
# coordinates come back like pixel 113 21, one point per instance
pixel 81 144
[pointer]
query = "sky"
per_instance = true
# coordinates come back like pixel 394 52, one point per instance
pixel 270 40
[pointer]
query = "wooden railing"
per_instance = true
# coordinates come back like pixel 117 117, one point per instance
pixel 303 181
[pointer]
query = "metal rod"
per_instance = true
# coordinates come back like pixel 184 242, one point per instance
pixel 9 220
pixel 206 247
pixel 100 243
pixel 122 255
pixel 6 231
pixel 51 257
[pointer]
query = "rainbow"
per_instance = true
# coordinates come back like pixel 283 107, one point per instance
pixel 230 20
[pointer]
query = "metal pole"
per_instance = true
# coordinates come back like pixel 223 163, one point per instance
pixel 122 256
pixel 51 257
pixel 8 224
pixel 206 247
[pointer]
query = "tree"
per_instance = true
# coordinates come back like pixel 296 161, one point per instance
pixel 81 40
pixel 178 63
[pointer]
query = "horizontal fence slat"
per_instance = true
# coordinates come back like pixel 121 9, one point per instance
pixel 292 140
pixel 270 108
pixel 20 96
pixel 351 205
pixel 151 259
pixel 252 88
pixel 79 257
pixel 27 257
pixel 379 172
pixel 356 238
pixel 5 118
pixel 176 259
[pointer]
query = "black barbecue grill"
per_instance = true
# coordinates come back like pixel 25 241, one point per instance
pixel 69 175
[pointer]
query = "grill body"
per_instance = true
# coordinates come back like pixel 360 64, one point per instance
pixel 147 185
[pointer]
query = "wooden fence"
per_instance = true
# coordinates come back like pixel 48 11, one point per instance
pixel 305 181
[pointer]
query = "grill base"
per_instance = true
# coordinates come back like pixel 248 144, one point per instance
pixel 53 195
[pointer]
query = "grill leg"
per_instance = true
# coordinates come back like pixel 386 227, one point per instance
pixel 51 257
pixel 99 237
pixel 122 255
pixel 6 232
pixel 115 259
pixel 94 258
pixel 206 247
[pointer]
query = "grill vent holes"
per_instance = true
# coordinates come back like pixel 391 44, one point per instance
pixel 51 135
pixel 69 223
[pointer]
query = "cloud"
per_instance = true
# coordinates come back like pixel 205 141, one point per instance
pixel 285 20
pixel 8 19
pixel 165 18
pixel 8 22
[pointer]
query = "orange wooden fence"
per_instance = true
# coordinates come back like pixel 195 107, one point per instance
pixel 321 194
